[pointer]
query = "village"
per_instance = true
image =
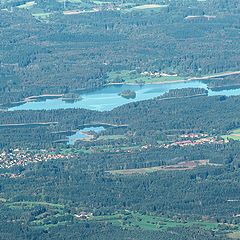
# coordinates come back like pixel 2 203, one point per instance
pixel 187 140
pixel 158 74
pixel 18 157
pixel 196 139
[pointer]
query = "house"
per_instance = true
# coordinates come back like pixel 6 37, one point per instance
pixel 83 215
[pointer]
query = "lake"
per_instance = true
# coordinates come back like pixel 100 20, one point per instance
pixel 82 134
pixel 107 98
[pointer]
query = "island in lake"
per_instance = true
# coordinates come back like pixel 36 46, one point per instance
pixel 128 94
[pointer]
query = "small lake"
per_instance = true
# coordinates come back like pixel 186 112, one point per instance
pixel 83 134
pixel 107 98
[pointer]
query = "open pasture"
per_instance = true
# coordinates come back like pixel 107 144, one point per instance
pixel 133 220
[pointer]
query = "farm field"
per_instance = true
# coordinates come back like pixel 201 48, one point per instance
pixel 234 135
pixel 182 166
pixel 132 220
pixel 119 120
pixel 132 77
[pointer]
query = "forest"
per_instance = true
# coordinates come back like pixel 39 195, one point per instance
pixel 165 120
pixel 41 199
pixel 70 52
pixel 163 168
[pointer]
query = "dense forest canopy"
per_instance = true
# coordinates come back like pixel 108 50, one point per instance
pixel 163 168
pixel 67 52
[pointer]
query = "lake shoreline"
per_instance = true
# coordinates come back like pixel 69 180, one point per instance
pixel 12 106
pixel 178 81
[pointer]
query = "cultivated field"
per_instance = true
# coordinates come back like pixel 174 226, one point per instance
pixel 148 6
pixel 182 166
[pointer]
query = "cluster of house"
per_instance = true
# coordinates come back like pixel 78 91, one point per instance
pixel 99 8
pixel 83 215
pixel 10 175
pixel 194 135
pixel 188 140
pixel 158 74
pixel 210 140
pixel 18 157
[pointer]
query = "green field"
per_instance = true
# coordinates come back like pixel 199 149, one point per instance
pixel 27 204
pixel 234 135
pixel 134 220
pixel 52 215
pixel 132 77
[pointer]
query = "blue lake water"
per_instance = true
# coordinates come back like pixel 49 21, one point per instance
pixel 107 98
pixel 81 135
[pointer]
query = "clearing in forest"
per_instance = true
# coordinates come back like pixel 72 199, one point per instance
pixel 148 6
pixel 27 5
pixel 181 166
pixel 133 220
pixel 234 135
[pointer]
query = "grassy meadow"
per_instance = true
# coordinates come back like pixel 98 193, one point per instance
pixel 234 135
pixel 131 77
pixel 132 220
